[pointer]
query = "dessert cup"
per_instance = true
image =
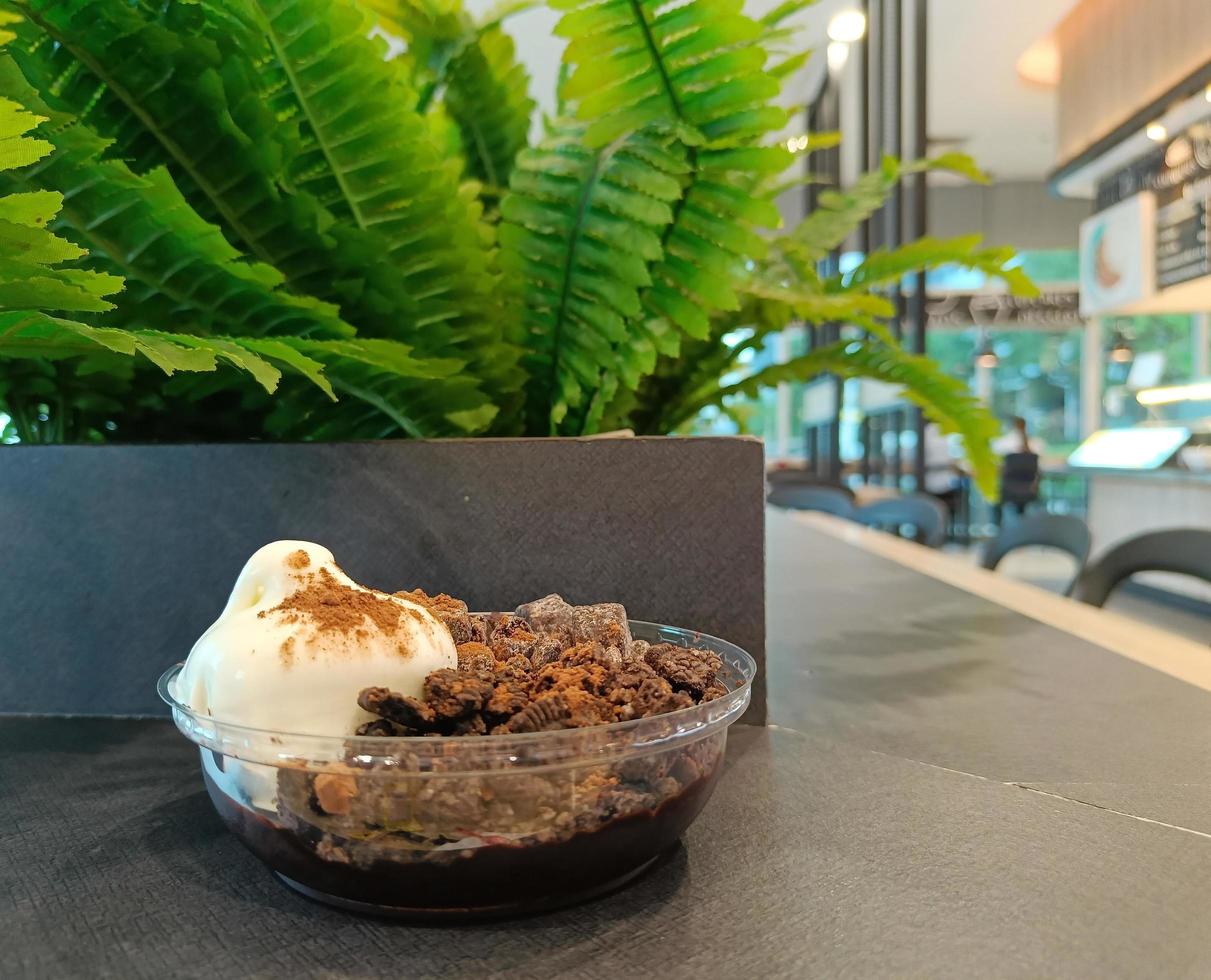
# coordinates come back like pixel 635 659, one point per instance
pixel 452 827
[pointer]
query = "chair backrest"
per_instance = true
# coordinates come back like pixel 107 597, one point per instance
pixel 925 513
pixel 830 500
pixel 804 478
pixel 1062 531
pixel 1186 551
pixel 1020 477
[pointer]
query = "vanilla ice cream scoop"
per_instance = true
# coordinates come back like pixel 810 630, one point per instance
pixel 298 640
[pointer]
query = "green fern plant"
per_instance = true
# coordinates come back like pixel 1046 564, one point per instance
pixel 238 219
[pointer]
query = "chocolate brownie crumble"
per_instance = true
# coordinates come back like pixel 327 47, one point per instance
pixel 549 665
pixel 475 656
pixel 605 622
pixel 415 717
pixel 450 611
pixel 511 637
pixel 456 694
pixel 687 670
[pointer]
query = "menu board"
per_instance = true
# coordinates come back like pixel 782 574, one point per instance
pixel 1179 176
pixel 1181 242
pixel 1183 185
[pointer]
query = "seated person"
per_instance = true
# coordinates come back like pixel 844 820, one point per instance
pixel 943 478
pixel 1019 470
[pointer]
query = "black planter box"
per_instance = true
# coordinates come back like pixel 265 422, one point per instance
pixel 115 558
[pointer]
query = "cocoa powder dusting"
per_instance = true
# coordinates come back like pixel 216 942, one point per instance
pixel 333 607
pixel 297 559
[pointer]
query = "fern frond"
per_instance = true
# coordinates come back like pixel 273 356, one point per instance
pixel 697 68
pixel 385 377
pixel 382 381
pixel 885 267
pixel 367 156
pixel 775 18
pixel 16 148
pixel 178 269
pixel 707 248
pixel 486 95
pixel 167 95
pixel 364 153
pixel 473 69
pixel 186 87
pixel 377 379
pixel 581 228
pixel 804 304
pixel 784 43
pixel 944 399
pixel 171 87
pixel 31 255
pixel 692 65
pixel 783 67
pixel 838 213
pixel 657 407
pixel 31 333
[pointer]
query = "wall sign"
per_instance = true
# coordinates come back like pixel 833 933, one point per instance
pixel 1051 310
pixel 1117 255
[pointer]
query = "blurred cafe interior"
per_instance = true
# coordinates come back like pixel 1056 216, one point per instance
pixel 1093 121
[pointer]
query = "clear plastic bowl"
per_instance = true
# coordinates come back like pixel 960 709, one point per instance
pixel 449 827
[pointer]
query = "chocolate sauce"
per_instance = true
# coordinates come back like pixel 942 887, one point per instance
pixel 496 879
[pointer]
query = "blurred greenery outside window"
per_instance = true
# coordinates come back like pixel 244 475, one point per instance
pixel 1038 374
pixel 1164 354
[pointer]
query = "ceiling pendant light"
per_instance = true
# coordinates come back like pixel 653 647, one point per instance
pixel 847 26
pixel 1121 351
pixel 987 355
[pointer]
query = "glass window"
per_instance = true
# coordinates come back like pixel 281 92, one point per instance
pixel 1161 352
pixel 1037 377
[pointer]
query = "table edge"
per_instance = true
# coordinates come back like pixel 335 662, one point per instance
pixel 1151 646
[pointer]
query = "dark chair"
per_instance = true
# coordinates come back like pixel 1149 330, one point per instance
pixel 1019 480
pixel 1062 531
pixel 1186 551
pixel 830 500
pixel 804 478
pixel 927 515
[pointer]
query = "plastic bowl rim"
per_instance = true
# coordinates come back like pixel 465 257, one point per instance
pixel 697 719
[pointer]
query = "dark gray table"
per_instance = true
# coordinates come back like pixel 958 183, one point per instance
pixel 948 789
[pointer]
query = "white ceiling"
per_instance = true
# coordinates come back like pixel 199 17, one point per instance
pixel 976 96
pixel 974 89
